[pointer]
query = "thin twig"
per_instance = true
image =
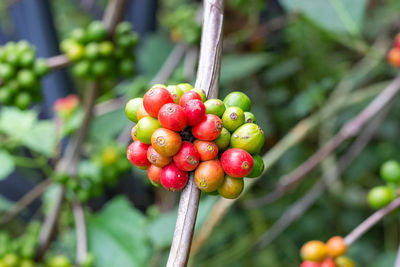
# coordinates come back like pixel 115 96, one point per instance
pixel 207 79
pixel 290 181
pixel 81 237
pixel 371 221
pixel 297 209
pixel 397 263
pixel 170 64
pixel 58 62
pixel 25 201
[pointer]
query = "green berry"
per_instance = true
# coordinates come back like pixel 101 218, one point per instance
pixel 233 118
pixel 131 108
pixel 78 35
pixel 238 99
pixel 390 171
pixel 126 67
pixel 258 167
pixel 175 91
pixel 249 137
pixel 223 139
pixel 106 48
pixel 92 50
pixel 249 117
pixel 59 261
pixel 23 100
pixel 96 31
pixel 74 51
pixel 145 128
pixel 40 67
pixel 380 196
pixel 81 68
pixel 26 78
pixel 123 28
pixel 215 106
pixel 27 58
pixel 99 67
pixel 185 87
pixel 7 71
pixel 201 93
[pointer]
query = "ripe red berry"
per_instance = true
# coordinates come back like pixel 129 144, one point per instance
pixel 156 158
pixel 166 142
pixel 172 117
pixel 186 97
pixel 155 98
pixel 328 262
pixel 336 246
pixel 172 178
pixel 237 162
pixel 195 111
pixel 310 264
pixel 187 158
pixel 394 57
pixel 209 175
pixel 209 129
pixel 154 174
pixel 396 42
pixel 137 154
pixel 207 150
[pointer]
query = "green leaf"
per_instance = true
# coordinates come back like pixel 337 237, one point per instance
pixel 162 229
pixel 41 138
pixel 237 67
pixel 15 122
pixel 107 126
pixel 118 236
pixel 7 164
pixel 341 16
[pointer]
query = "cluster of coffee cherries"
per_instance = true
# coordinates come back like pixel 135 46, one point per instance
pixel 178 131
pixel 102 170
pixel 20 74
pixel 382 195
pixel 394 54
pixel 95 54
pixel 330 254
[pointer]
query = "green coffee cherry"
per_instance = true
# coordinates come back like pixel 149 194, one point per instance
pixel 390 171
pixel 223 139
pixel 232 118
pixel 380 196
pixel 131 108
pixel 238 99
pixel 215 106
pixel 258 167
pixel 249 117
pixel 249 137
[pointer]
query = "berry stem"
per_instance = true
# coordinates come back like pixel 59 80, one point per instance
pixel 207 79
pixel 371 221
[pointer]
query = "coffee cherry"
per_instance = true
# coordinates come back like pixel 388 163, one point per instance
pixel 123 28
pixel 336 246
pixel 328 262
pixel 313 251
pixel 132 107
pixel 343 261
pixel 310 264
pixel 26 78
pixel 145 128
pixel 394 57
pixel 187 159
pixel 249 117
pixel 133 133
pixel 176 92
pixel 155 98
pixel 390 171
pixel 22 100
pixel 231 187
pixel 156 158
pixel 106 48
pixel 215 106
pixel 233 118
pixel 172 178
pixel 249 137
pixel 59 261
pixel 189 95
pixel 154 174
pixel 207 150
pixel 238 99
pixel 223 139
pixel 172 117
pixel 258 167
pixel 209 175
pixel 380 196
pixel 40 67
pixel 137 154
pixel 209 129
pixel 166 142
pixel 96 31
pixel 201 93
pixel 185 87
pixel 195 111
pixel 237 162
pixel 141 113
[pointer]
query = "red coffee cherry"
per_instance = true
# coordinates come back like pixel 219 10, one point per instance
pixel 313 251
pixel 172 117
pixel 394 57
pixel 137 154
pixel 172 178
pixel 328 262
pixel 209 175
pixel 237 162
pixel 155 98
pixel 186 97
pixel 209 129
pixel 141 113
pixel 207 150
pixel 396 42
pixel 310 264
pixel 336 246
pixel 154 174
pixel 166 142
pixel 195 111
pixel 156 158
pixel 187 159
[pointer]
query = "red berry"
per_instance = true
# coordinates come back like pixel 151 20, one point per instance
pixel 172 178
pixel 172 117
pixel 137 154
pixel 208 150
pixel 209 175
pixel 336 246
pixel 155 98
pixel 156 158
pixel 310 264
pixel 237 162
pixel 154 174
pixel 328 262
pixel 186 97
pixel 195 111
pixel 396 42
pixel 394 57
pixel 209 129
pixel 187 158
pixel 166 142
